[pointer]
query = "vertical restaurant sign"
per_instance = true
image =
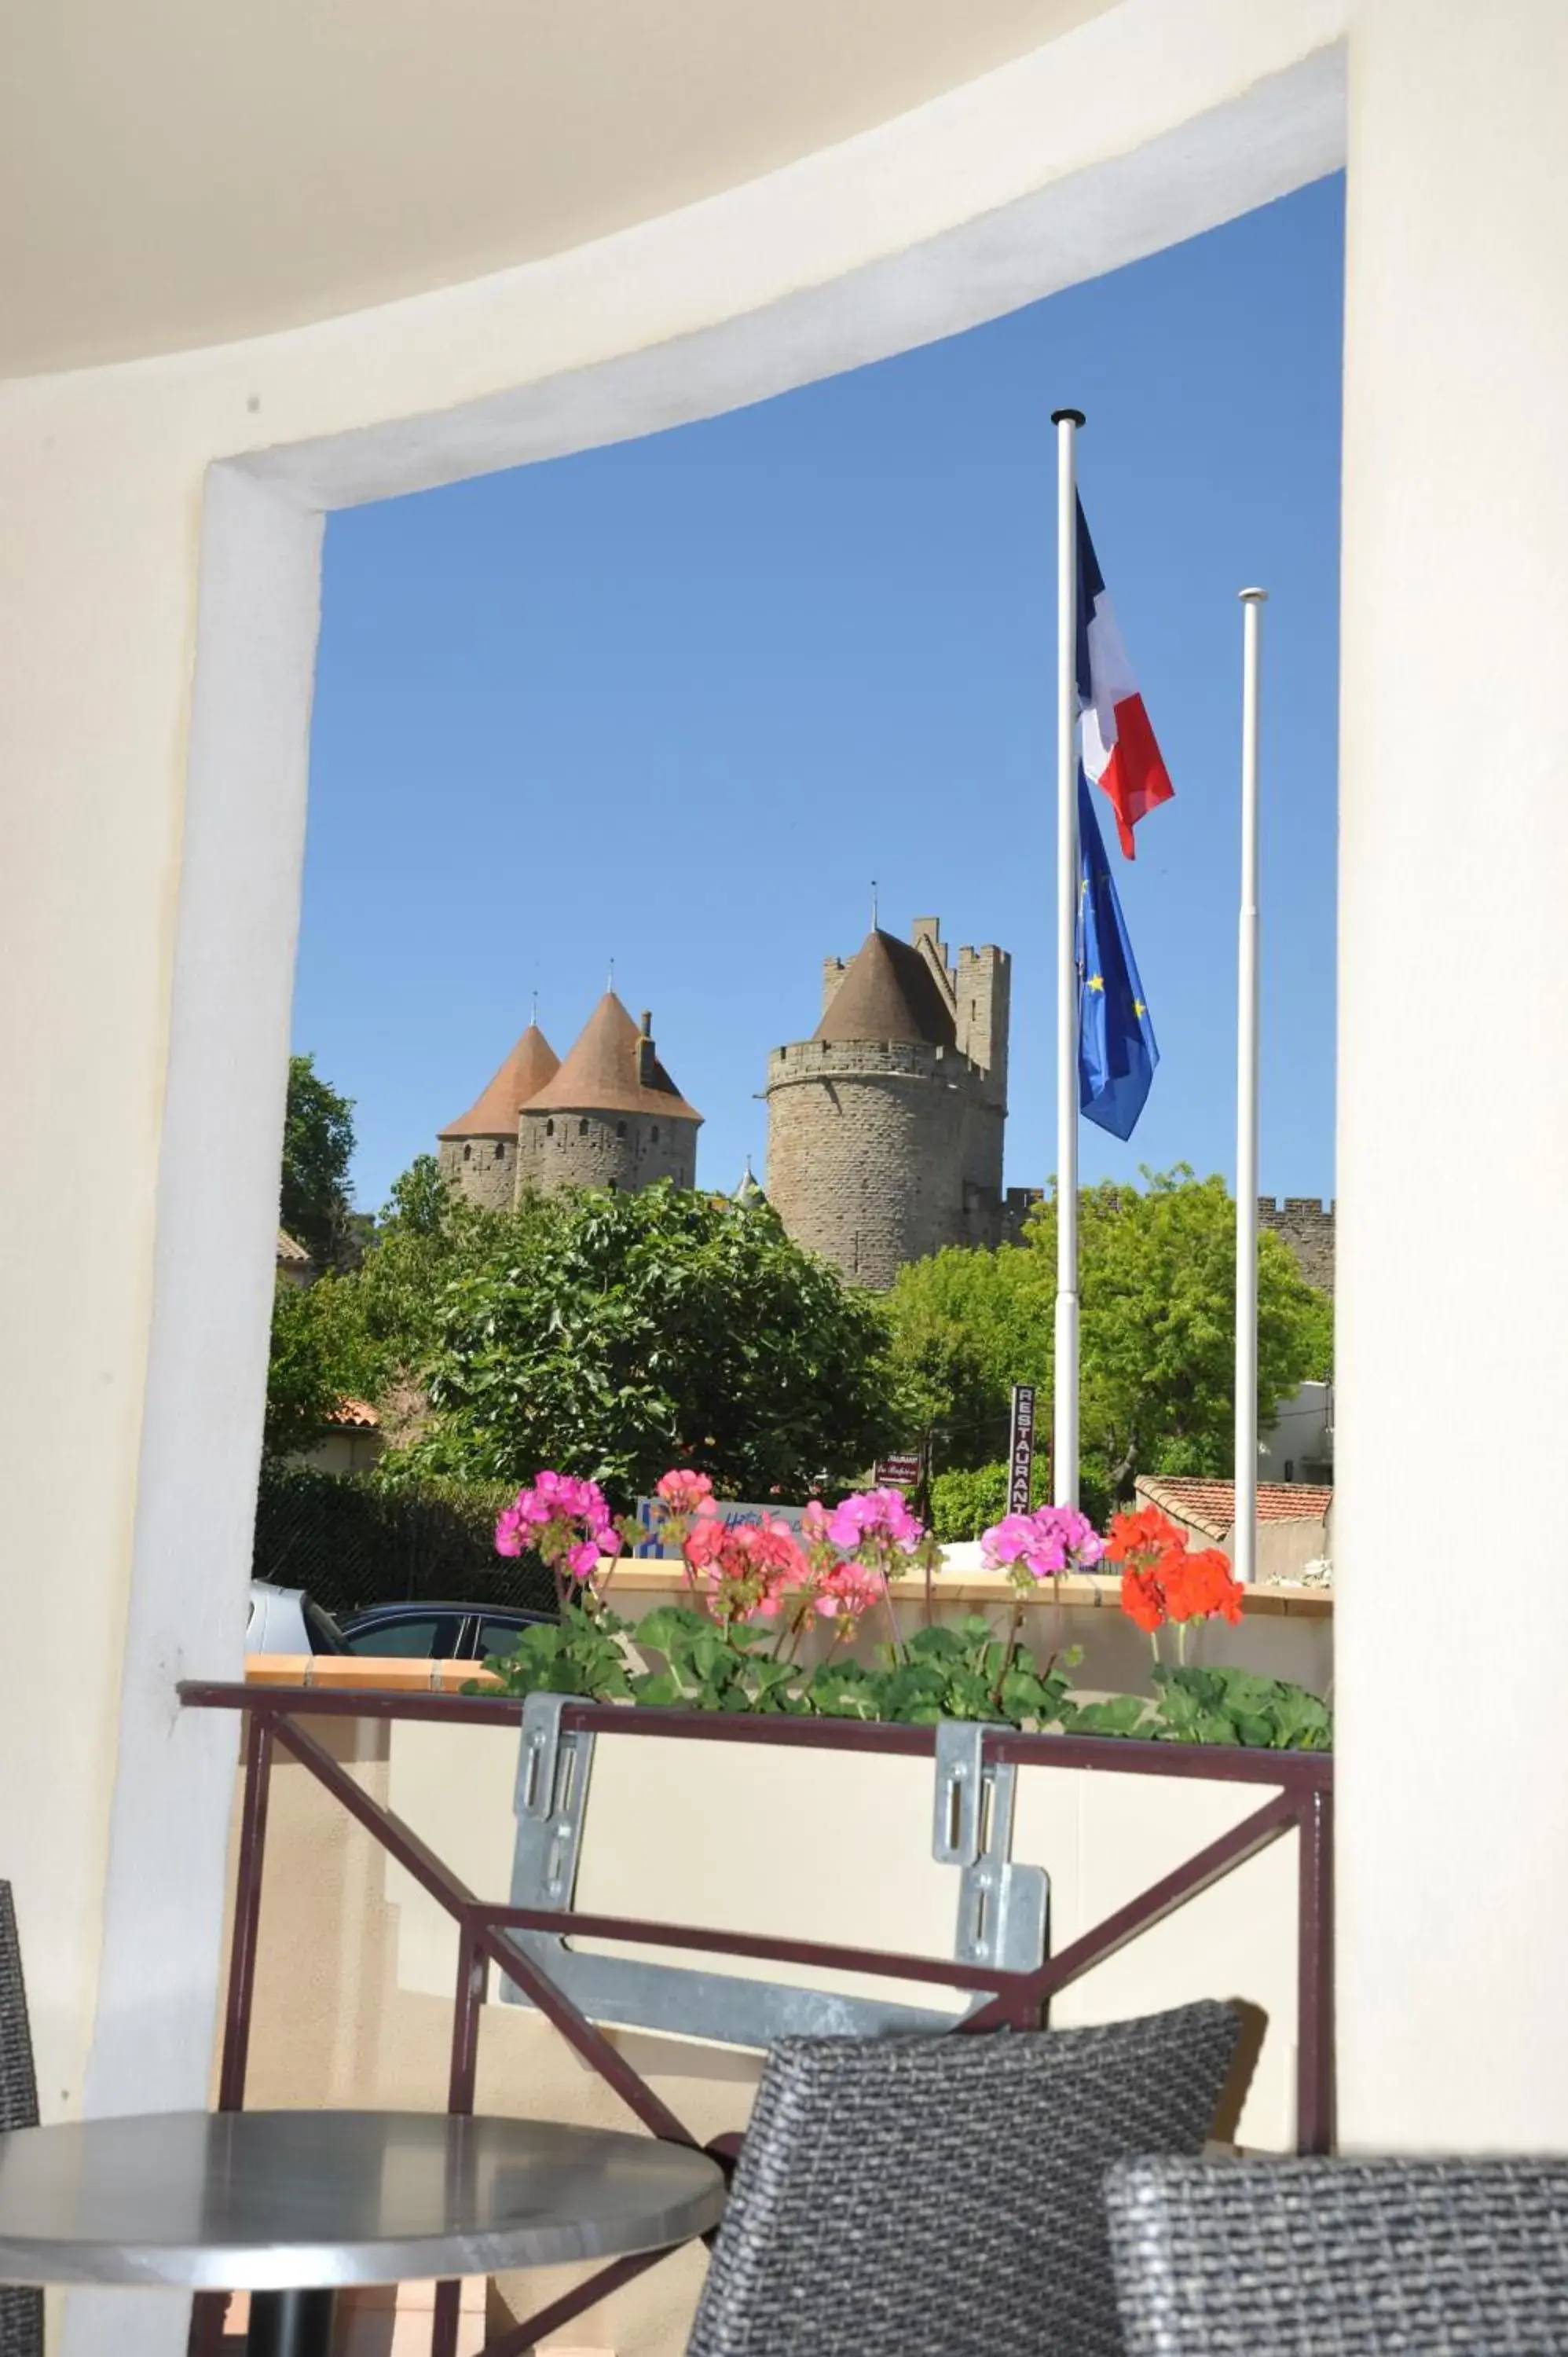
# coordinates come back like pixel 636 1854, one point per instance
pixel 1021 1449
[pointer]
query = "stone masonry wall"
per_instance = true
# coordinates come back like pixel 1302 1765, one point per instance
pixel 1307 1226
pixel 865 1151
pixel 624 1151
pixel 983 992
pixel 482 1168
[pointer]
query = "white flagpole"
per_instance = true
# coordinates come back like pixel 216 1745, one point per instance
pixel 1065 1406
pixel 1244 1536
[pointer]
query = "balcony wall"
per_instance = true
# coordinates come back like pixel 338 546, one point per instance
pixel 356 1966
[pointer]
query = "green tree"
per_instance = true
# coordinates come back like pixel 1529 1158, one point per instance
pixel 426 1235
pixel 320 1350
pixel 1158 1287
pixel 317 1146
pixel 373 1330
pixel 616 1335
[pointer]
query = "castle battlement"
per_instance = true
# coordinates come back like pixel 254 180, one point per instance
pixel 1305 1222
pixel 819 1059
pixel 884 1129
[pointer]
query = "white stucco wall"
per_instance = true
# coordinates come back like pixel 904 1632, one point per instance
pixel 1299 1435
pixel 1453 1107
pixel 149 864
pixel 159 617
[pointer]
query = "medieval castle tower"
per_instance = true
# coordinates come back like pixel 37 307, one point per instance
pixel 885 1128
pixel 609 1116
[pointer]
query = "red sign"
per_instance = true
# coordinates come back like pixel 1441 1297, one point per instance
pixel 897 1472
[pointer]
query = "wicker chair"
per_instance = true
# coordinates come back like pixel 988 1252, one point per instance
pixel 938 2195
pixel 21 2311
pixel 1342 2258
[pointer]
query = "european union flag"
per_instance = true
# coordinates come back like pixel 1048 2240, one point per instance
pixel 1116 1050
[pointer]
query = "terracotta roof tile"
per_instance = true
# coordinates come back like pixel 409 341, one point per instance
pixel 604 1072
pixel 888 991
pixel 355 1416
pixel 290 1253
pixel 1210 1506
pixel 494 1112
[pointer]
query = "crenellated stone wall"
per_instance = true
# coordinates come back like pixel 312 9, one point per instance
pixel 865 1150
pixel 882 1151
pixel 1306 1223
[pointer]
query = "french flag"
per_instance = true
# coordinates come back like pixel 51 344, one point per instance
pixel 1119 748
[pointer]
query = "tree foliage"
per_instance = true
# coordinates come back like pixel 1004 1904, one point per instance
pixel 319 1352
pixel 373 1331
pixel 317 1146
pixel 616 1335
pixel 967 1498
pixel 1158 1287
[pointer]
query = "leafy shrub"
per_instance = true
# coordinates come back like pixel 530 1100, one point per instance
pixel 968 1500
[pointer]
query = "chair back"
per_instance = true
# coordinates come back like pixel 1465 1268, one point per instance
pixel 1342 2258
pixel 21 2310
pixel 941 2196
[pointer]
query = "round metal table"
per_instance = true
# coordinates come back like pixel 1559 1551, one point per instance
pixel 289 2205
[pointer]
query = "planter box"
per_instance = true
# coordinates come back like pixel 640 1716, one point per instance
pixel 1285 1632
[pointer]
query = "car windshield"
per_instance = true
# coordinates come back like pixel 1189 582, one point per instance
pixel 324 1635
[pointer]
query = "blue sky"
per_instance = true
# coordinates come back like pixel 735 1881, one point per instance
pixel 677 702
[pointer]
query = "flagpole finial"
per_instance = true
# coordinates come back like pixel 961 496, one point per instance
pixel 1253 596
pixel 1069 417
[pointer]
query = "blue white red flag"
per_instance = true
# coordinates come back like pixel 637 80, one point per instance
pixel 1119 748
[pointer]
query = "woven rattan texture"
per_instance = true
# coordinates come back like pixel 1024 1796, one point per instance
pixel 1342 2258
pixel 938 2195
pixel 21 2311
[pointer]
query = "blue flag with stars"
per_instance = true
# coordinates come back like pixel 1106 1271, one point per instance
pixel 1116 1050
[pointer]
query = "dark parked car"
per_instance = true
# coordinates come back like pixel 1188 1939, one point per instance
pixel 439 1633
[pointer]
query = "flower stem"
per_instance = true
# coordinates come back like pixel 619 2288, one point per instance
pixel 892 1620
pixel 1015 1623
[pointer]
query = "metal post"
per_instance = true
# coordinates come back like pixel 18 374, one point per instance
pixel 290 2324
pixel 1315 1975
pixel 1065 1406
pixel 247 1912
pixel 473 1973
pixel 1244 1536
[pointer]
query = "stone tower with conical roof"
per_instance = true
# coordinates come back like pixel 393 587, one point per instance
pixel 885 1128
pixel 611 1115
pixel 478 1152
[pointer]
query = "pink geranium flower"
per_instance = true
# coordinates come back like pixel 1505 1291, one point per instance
pixel 566 1517
pixel 849 1589
pixel 1039 1546
pixel 685 1492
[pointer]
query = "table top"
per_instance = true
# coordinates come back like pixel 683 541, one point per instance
pixel 272 2200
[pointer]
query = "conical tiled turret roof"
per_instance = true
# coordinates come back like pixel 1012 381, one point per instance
pixel 888 991
pixel 525 1071
pixel 612 1068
